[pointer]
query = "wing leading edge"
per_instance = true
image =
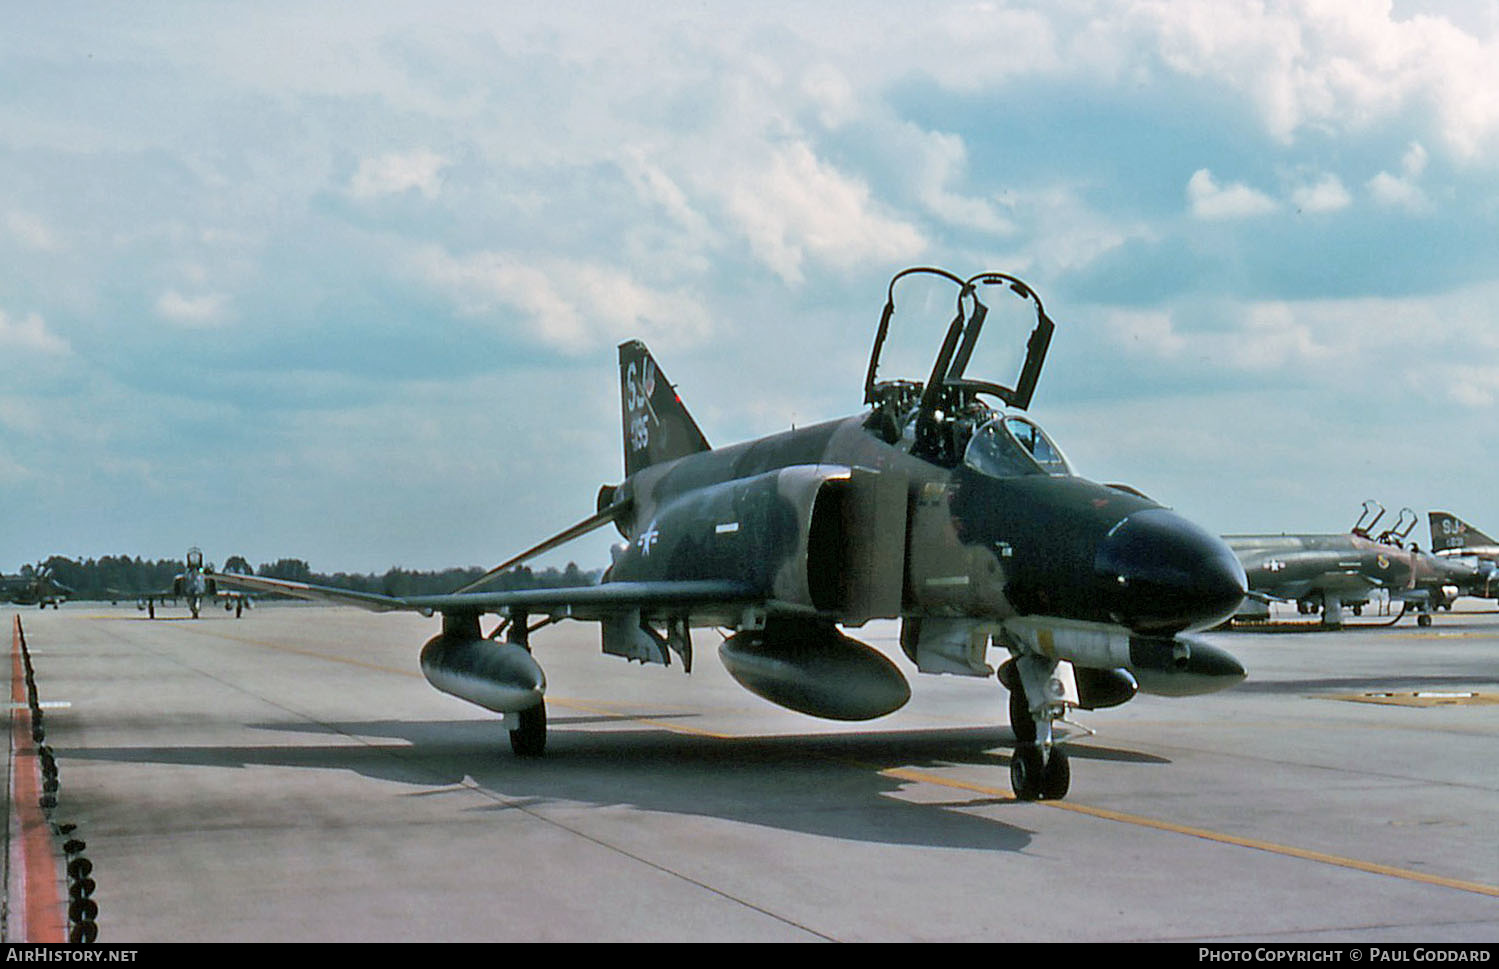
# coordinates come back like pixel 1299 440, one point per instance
pixel 706 602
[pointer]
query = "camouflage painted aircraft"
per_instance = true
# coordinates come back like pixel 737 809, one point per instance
pixel 941 505
pixel 1324 573
pixel 1453 538
pixel 194 584
pixel 34 586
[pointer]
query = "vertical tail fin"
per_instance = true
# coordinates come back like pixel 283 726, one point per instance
pixel 1449 531
pixel 657 426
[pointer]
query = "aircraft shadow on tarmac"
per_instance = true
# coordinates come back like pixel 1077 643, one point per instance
pixel 821 784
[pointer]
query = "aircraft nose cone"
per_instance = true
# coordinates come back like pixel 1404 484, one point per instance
pixel 1162 574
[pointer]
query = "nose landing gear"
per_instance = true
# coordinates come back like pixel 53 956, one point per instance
pixel 1039 769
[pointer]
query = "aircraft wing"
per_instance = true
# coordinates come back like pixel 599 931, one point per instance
pixel 704 600
pixel 302 590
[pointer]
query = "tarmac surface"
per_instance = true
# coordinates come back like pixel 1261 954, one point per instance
pixel 290 776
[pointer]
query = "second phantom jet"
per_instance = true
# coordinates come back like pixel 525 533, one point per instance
pixel 1325 573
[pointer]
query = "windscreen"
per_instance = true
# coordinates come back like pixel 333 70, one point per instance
pixel 1041 449
pixel 1008 447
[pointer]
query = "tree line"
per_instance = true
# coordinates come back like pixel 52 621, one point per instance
pixel 121 577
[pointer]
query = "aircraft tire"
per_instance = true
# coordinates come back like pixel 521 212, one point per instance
pixel 529 739
pixel 1423 620
pixel 1057 777
pixel 1026 772
pixel 1021 724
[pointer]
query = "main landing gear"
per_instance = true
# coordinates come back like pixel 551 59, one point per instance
pixel 528 736
pixel 1039 769
pixel 528 727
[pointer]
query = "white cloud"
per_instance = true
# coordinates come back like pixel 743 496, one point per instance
pixel 1471 386
pixel 1413 162
pixel 32 232
pixel 1275 335
pixel 940 159
pixel 659 189
pixel 830 90
pixel 205 310
pixel 395 173
pixel 30 335
pixel 1209 200
pixel 797 207
pixel 1061 231
pixel 1397 192
pixel 571 306
pixel 1402 191
pixel 1329 344
pixel 1259 337
pixel 1327 194
pixel 1332 64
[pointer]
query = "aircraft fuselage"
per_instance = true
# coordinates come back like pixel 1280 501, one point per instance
pixel 791 510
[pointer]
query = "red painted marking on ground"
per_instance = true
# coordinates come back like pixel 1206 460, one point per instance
pixel 35 873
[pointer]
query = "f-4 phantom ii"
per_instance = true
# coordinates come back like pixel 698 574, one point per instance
pixel 1324 573
pixel 34 586
pixel 941 505
pixel 194 584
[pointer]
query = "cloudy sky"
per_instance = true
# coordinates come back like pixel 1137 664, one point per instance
pixel 344 281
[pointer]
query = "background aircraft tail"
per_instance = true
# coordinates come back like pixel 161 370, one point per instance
pixel 657 426
pixel 1449 531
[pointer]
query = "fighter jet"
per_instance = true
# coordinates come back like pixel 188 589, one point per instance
pixel 194 584
pixel 1452 538
pixel 34 586
pixel 1325 572
pixel 942 505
